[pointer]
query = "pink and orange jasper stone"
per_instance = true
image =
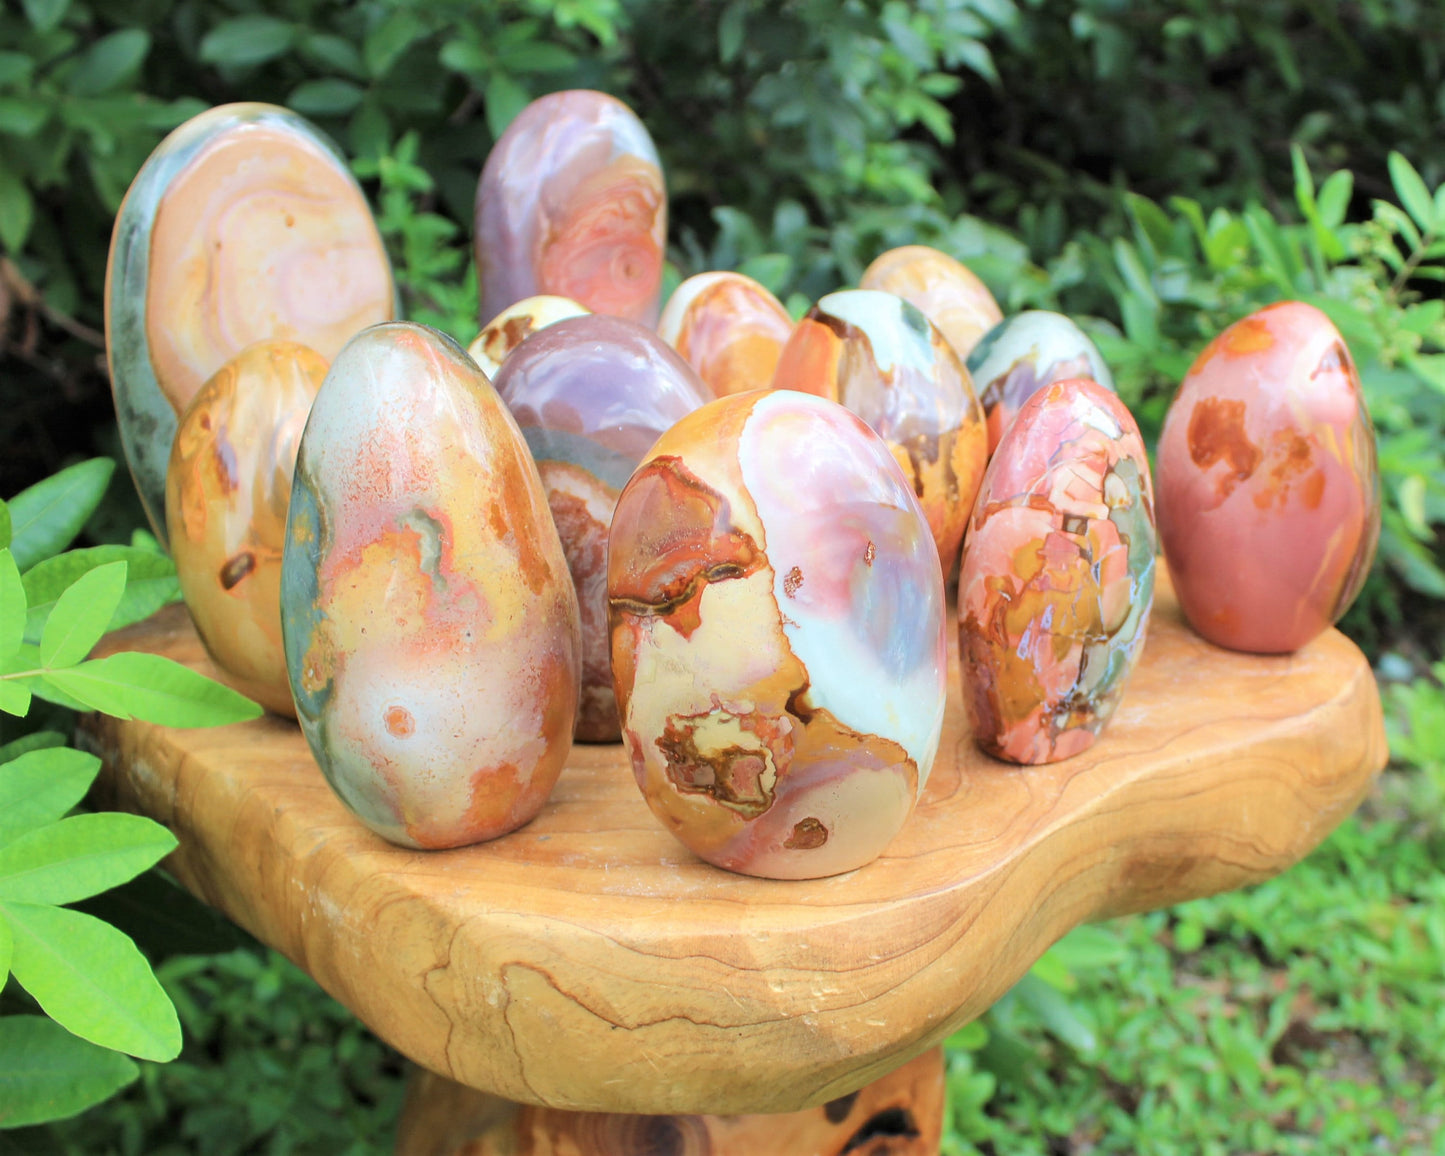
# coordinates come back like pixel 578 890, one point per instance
pixel 728 328
pixel 572 203
pixel 881 357
pixel 947 291
pixel 1058 575
pixel 591 395
pixel 430 625
pixel 227 492
pixel 778 638
pixel 1269 492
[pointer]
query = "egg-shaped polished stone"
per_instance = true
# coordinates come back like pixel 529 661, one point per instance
pixel 431 627
pixel 514 324
pixel 778 639
pixel 227 492
pixel 1024 353
pixel 881 357
pixel 244 225
pixel 572 203
pixel 591 395
pixel 1058 575
pixel 949 293
pixel 1269 492
pixel 728 328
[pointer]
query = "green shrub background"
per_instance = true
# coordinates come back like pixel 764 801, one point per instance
pixel 1156 169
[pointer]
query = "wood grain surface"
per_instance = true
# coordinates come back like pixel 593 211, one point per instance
pixel 589 962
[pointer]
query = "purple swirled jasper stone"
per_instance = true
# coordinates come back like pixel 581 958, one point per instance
pixel 1058 575
pixel 728 328
pixel 572 203
pixel 948 292
pixel 1269 492
pixel 778 637
pixel 591 395
pixel 430 626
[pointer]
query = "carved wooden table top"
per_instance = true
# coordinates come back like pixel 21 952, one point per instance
pixel 588 961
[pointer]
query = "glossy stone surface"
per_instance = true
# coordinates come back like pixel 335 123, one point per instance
pixel 244 225
pixel 778 642
pixel 227 492
pixel 430 626
pixel 879 356
pixel 572 203
pixel 1024 353
pixel 948 292
pixel 514 324
pixel 728 328
pixel 591 395
pixel 1269 492
pixel 1058 575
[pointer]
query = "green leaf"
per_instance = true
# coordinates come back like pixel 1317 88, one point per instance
pixel 329 97
pixel 770 270
pixel 1335 196
pixel 46 517
pixel 4 524
pixel 81 856
pixel 45 14
pixel 150 583
pixel 730 31
pixel 388 40
pixel 17 211
pixel 22 117
pixel 12 606
pixel 505 98
pixel 538 56
pixel 1062 1019
pixel 110 60
pixel 36 741
pixel 247 40
pixel 1412 191
pixel 153 689
pixel 14 699
pixel 40 786
pixel 6 949
pixel 90 978
pixel 1412 506
pixel 81 615
pixel 48 1074
pixel 1050 968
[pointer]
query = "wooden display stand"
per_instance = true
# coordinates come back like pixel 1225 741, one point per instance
pixel 588 964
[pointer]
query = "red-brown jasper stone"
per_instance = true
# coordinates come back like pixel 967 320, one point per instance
pixel 1269 505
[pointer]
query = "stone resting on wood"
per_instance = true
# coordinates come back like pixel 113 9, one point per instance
pixel 589 966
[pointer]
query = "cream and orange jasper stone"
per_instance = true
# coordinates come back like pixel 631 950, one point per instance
pixel 778 646
pixel 883 359
pixel 1269 492
pixel 244 225
pixel 227 492
pixel 948 292
pixel 430 624
pixel 514 324
pixel 728 328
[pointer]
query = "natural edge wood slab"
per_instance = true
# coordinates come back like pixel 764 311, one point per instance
pixel 589 962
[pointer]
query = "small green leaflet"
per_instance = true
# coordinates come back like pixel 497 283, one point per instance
pixel 5 950
pixel 5 524
pixel 150 584
pixel 91 979
pixel 40 786
pixel 14 699
pixel 153 689
pixel 46 518
pixel 12 606
pixel 81 856
pixel 48 1074
pixel 38 740
pixel 81 615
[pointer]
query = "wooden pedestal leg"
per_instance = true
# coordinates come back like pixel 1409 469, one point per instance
pixel 899 1115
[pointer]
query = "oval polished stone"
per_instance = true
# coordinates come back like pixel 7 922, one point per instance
pixel 778 643
pixel 591 395
pixel 948 292
pixel 244 225
pixel 1023 354
pixel 881 357
pixel 430 625
pixel 514 324
pixel 572 203
pixel 1058 575
pixel 227 492
pixel 1269 491
pixel 728 328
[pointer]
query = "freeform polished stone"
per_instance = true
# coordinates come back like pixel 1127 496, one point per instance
pixel 431 629
pixel 227 491
pixel 591 395
pixel 571 202
pixel 514 324
pixel 244 225
pixel 881 357
pixel 1269 491
pixel 947 291
pixel 1058 575
pixel 1024 353
pixel 778 645
pixel 728 328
